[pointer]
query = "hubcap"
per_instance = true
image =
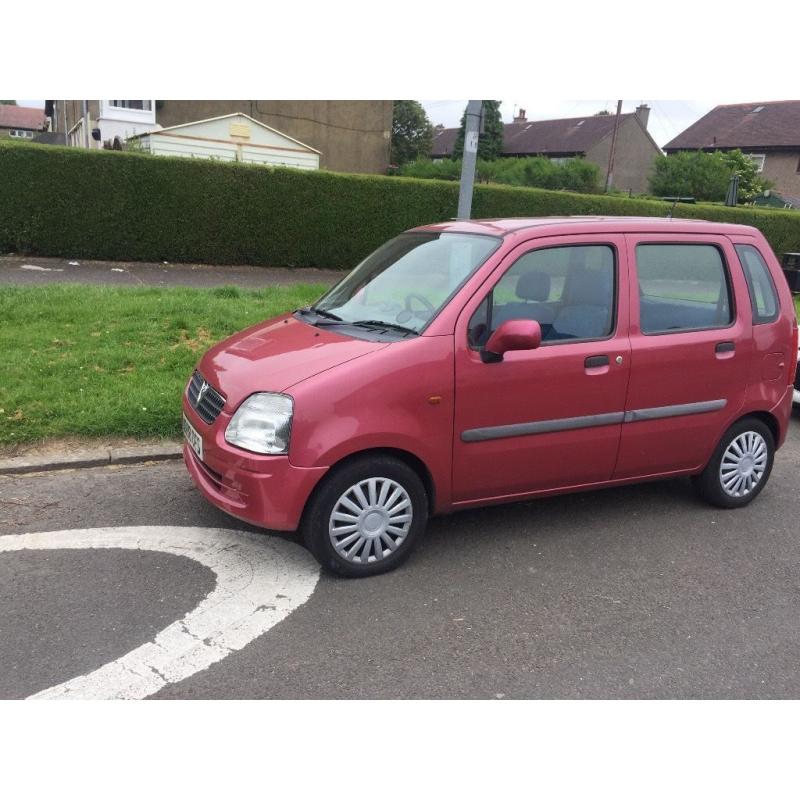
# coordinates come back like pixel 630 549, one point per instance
pixel 743 464
pixel 370 520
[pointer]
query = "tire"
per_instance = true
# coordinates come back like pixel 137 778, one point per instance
pixel 372 498
pixel 719 484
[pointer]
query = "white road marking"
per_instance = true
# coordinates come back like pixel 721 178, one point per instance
pixel 34 268
pixel 260 581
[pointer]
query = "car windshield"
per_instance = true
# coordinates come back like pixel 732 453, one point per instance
pixel 407 281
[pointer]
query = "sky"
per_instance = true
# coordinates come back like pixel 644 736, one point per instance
pixel 667 117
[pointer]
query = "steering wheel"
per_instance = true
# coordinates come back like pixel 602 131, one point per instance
pixel 425 302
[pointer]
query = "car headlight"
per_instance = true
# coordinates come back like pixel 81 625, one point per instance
pixel 262 424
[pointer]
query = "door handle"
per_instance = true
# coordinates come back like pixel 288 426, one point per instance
pixel 725 347
pixel 596 361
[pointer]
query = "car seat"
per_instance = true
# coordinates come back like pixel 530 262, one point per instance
pixel 586 311
pixel 533 289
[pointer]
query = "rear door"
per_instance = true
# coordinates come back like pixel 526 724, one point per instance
pixel 691 346
pixel 551 417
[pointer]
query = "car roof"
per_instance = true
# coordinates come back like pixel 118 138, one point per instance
pixel 590 224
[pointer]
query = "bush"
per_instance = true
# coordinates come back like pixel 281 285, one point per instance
pixel 706 176
pixel 69 202
pixel 575 174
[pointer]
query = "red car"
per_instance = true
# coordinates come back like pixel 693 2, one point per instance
pixel 472 363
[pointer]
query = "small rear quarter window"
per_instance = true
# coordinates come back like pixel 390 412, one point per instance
pixel 763 297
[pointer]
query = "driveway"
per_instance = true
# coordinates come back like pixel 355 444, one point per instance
pixel 638 592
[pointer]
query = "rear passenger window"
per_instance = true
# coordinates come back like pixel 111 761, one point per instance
pixel 682 287
pixel 568 290
pixel 763 297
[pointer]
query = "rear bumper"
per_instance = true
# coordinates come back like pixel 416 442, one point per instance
pixel 267 491
pixel 783 412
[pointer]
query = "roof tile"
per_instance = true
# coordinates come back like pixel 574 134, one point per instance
pixel 31 119
pixel 774 125
pixel 549 136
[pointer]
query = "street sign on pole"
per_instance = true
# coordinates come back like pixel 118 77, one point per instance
pixel 471 134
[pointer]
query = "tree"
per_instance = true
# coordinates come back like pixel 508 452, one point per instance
pixel 751 184
pixel 703 176
pixel 412 132
pixel 8 102
pixel 490 142
pixel 706 176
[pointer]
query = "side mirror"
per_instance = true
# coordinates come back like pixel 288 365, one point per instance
pixel 514 334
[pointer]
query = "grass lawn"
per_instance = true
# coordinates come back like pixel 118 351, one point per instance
pixel 102 361
pixel 80 360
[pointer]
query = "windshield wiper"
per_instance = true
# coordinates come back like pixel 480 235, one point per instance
pixel 321 312
pixel 374 323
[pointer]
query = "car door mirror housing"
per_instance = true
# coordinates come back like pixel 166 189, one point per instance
pixel 514 334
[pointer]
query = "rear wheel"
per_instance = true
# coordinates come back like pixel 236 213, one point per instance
pixel 366 517
pixel 740 466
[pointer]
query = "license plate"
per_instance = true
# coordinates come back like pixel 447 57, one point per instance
pixel 193 437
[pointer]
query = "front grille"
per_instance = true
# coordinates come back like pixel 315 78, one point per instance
pixel 208 402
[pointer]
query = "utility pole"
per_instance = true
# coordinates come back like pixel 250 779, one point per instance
pixel 610 171
pixel 471 133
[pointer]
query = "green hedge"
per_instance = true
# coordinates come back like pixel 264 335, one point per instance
pixel 59 201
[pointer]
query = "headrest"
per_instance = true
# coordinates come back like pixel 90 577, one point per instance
pixel 590 288
pixel 533 285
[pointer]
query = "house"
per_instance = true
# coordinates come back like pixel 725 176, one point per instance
pixel 105 120
pixel 233 137
pixel 579 137
pixel 349 135
pixel 21 122
pixel 768 132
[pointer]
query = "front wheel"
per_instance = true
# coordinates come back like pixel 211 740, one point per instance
pixel 366 517
pixel 740 466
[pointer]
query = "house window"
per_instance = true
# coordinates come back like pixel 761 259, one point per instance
pixel 20 134
pixel 758 159
pixel 135 105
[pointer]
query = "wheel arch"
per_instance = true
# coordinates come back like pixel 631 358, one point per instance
pixel 410 459
pixel 770 420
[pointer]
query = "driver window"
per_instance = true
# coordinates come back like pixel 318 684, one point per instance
pixel 568 290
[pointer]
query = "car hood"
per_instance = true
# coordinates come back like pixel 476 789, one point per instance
pixel 276 354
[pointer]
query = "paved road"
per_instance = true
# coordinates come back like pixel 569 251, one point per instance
pixel 639 592
pixel 31 270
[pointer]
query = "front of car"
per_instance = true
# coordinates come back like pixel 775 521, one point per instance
pixel 238 415
pixel 240 418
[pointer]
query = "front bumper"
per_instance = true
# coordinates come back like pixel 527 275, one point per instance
pixel 267 491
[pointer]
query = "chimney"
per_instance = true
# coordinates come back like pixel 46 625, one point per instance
pixel 643 112
pixel 521 116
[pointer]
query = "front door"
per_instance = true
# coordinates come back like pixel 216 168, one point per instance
pixel 550 417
